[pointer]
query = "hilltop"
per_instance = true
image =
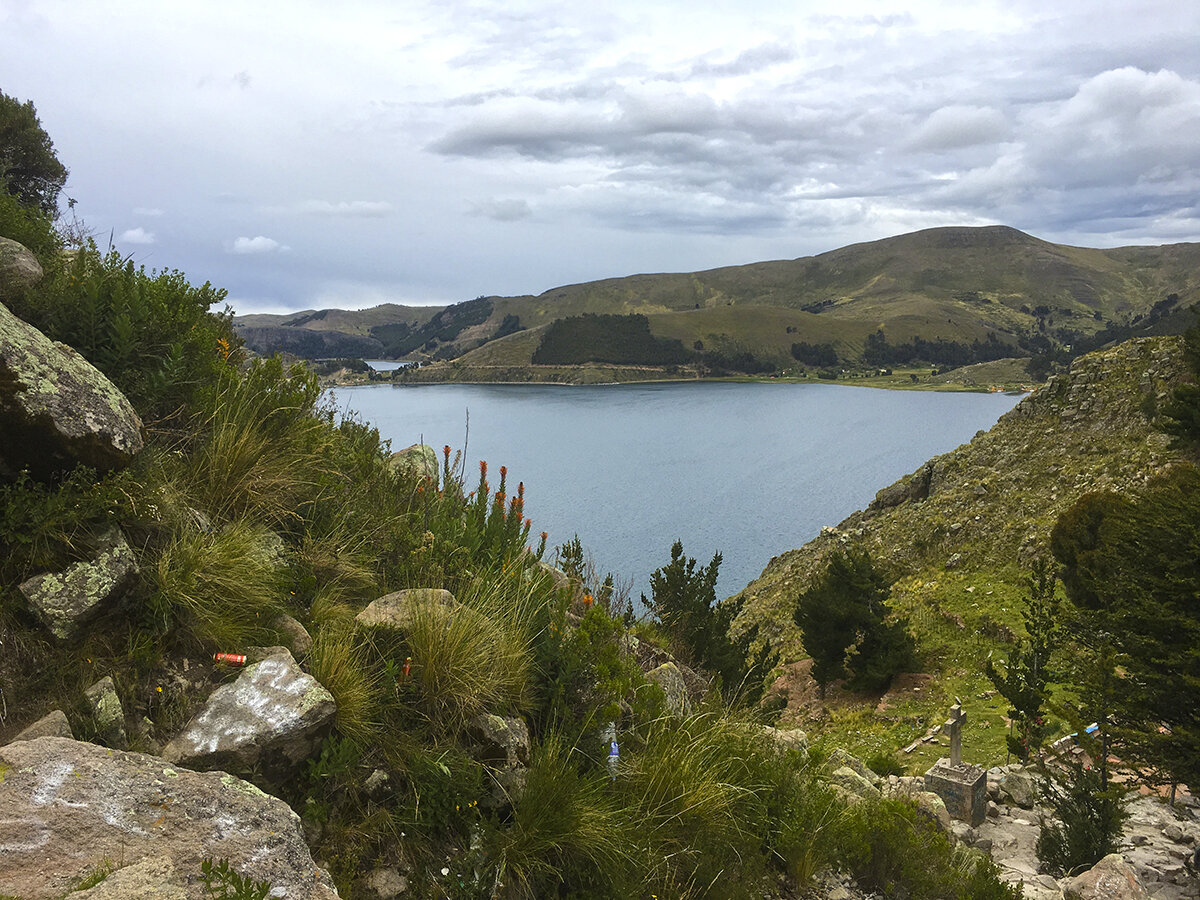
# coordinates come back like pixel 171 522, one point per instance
pixel 970 294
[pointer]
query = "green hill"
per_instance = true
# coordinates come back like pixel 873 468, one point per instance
pixel 942 284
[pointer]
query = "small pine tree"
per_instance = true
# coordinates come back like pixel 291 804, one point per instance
pixel 1025 678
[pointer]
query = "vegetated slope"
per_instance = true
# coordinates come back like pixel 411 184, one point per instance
pixel 954 284
pixel 322 333
pixel 959 532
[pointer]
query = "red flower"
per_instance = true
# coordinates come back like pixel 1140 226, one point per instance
pixel 503 471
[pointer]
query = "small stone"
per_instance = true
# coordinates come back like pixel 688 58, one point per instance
pixel 385 884
pixel 108 717
pixel 53 724
pixel 1173 833
pixel 295 636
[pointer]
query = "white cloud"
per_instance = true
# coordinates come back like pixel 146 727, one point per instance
pixel 137 235
pixel 957 126
pixel 256 246
pixel 147 211
pixel 353 209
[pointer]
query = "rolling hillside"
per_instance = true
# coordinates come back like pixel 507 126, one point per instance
pixel 942 284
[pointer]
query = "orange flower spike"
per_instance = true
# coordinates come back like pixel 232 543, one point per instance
pixel 545 535
pixel 528 522
pixel 588 599
pixel 483 468
pixel 446 452
pixel 521 489
pixel 503 471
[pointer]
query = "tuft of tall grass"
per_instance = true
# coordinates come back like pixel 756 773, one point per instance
pixel 338 661
pixel 475 657
pixel 566 828
pixel 222 587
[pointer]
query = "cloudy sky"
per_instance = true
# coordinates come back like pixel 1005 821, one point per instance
pixel 308 154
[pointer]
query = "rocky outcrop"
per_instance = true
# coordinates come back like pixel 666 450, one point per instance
pixel 67 808
pixel 151 877
pixel 19 270
pixel 272 718
pixel 58 410
pixel 66 601
pixel 397 609
pixel 1110 879
pixel 415 462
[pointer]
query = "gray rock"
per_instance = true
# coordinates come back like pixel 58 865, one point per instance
pixel 66 601
pixel 296 636
pixel 853 783
pixel 1020 787
pixel 271 719
pixel 935 806
pixel 502 744
pixel 396 610
pixel 787 738
pixel 504 740
pixel 68 806
pixel 19 270
pixel 57 409
pixel 1173 833
pixel 1110 879
pixel 840 757
pixel 670 679
pixel 53 724
pixel 415 462
pixel 384 884
pixel 151 877
pixel 108 716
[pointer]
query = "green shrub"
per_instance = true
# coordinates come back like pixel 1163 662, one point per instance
pixel 1090 817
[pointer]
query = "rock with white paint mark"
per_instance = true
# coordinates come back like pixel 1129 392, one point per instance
pixel 66 807
pixel 271 719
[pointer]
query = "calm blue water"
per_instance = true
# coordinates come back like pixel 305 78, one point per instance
pixel 751 470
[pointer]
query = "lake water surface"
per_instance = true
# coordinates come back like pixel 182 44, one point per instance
pixel 750 469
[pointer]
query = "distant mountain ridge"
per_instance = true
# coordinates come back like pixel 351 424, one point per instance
pixel 955 285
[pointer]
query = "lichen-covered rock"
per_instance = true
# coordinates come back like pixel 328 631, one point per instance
pixel 58 410
pixel 502 744
pixel 787 738
pixel 415 462
pixel 67 807
pixel 840 757
pixel 396 610
pixel 1110 879
pixel 670 679
pixel 19 270
pixel 65 601
pixel 854 784
pixel 108 716
pixel 272 718
pixel 53 724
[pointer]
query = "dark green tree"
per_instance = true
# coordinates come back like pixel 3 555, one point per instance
pixel 1025 678
pixel 843 619
pixel 1181 414
pixel 1131 565
pixel 684 600
pixel 29 169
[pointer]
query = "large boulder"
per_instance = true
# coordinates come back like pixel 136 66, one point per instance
pixel 19 270
pixel 67 808
pixel 1110 879
pixel 271 719
pixel 396 610
pixel 65 601
pixel 1020 787
pixel 58 410
pixel 415 462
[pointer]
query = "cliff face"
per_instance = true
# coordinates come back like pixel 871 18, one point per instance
pixel 989 505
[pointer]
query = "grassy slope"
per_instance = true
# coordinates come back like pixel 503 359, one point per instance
pixel 959 554
pixel 348 321
pixel 912 284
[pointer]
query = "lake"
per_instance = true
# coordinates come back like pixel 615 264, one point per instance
pixel 749 469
